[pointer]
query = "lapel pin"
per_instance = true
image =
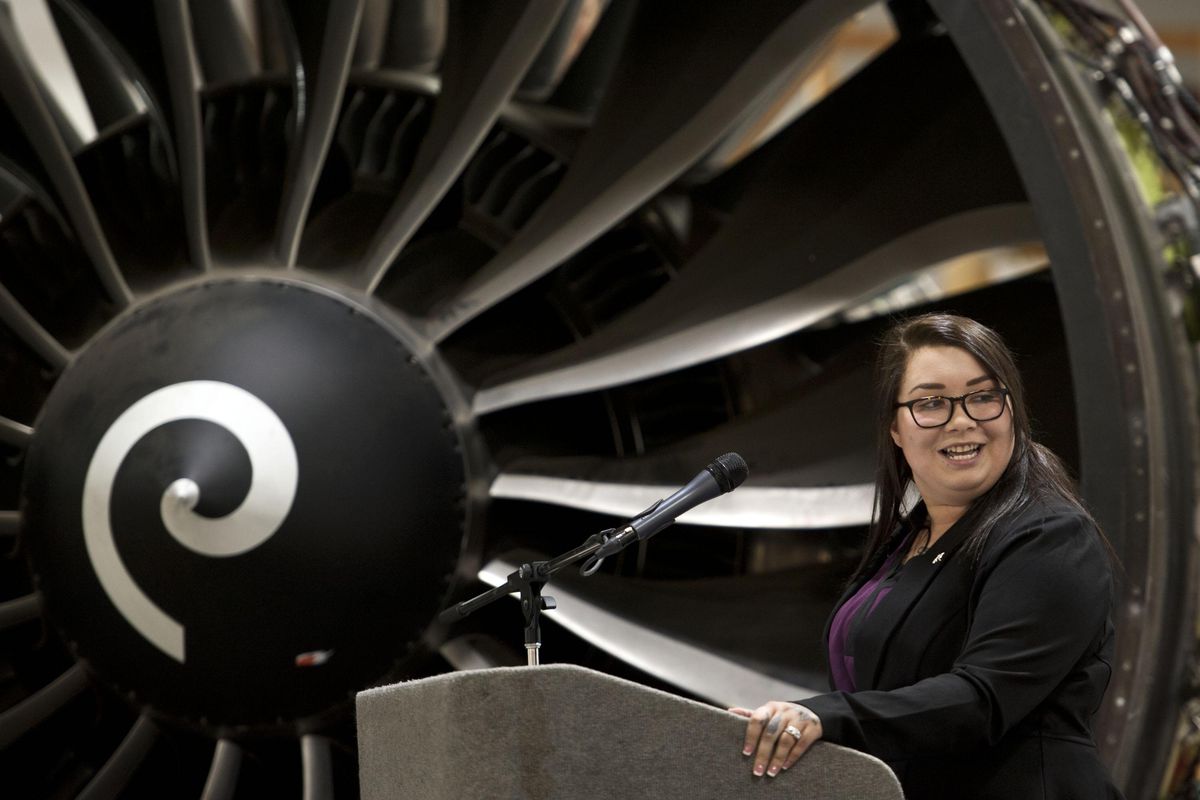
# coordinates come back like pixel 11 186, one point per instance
pixel 938 557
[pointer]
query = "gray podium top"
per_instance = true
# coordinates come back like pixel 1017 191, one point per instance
pixel 563 731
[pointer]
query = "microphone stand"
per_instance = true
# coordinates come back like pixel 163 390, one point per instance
pixel 724 474
pixel 528 580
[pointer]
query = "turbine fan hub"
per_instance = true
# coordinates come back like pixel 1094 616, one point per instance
pixel 243 503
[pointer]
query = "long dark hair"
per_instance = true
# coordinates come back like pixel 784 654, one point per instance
pixel 1033 472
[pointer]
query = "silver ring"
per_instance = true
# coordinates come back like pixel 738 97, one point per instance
pixel 793 730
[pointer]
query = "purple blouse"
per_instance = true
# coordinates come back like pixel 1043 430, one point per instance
pixel 860 606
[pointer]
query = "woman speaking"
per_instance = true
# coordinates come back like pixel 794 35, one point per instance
pixel 974 642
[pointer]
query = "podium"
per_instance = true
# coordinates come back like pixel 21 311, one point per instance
pixel 562 731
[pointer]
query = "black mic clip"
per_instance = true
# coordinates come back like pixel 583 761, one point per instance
pixel 610 541
pixel 599 541
pixel 616 543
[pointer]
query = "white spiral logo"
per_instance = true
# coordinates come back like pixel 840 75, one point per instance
pixel 274 474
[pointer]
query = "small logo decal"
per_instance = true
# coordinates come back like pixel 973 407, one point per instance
pixel 313 658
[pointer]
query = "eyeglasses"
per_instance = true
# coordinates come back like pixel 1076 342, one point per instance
pixel 934 412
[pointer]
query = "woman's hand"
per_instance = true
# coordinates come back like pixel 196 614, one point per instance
pixel 778 734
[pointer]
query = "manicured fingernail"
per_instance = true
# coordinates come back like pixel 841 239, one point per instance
pixel 773 771
pixel 747 751
pixel 758 769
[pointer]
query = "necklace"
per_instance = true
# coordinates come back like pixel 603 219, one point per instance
pixel 923 537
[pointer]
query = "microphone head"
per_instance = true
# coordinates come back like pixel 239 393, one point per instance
pixel 729 471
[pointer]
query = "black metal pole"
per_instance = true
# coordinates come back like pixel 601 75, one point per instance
pixel 527 581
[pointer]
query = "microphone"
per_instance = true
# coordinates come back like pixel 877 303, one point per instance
pixel 724 474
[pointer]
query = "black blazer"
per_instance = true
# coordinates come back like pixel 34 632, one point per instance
pixel 981 682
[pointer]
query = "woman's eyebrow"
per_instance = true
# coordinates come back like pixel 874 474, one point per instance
pixel 971 382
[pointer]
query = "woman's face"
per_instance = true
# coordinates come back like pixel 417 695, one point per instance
pixel 958 462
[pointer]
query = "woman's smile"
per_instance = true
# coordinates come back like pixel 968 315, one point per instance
pixel 962 454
